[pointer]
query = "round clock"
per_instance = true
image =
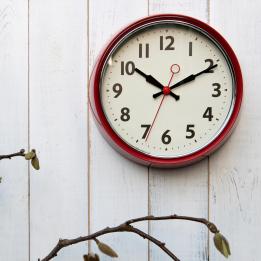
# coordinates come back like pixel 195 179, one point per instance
pixel 166 91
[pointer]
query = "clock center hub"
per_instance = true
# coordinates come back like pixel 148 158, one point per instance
pixel 166 90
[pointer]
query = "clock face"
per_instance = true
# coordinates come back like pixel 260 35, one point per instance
pixel 184 116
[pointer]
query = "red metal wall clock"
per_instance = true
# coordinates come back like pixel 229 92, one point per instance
pixel 166 91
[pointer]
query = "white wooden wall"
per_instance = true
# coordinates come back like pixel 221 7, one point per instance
pixel 47 51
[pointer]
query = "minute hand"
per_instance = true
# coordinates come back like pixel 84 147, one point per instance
pixel 187 79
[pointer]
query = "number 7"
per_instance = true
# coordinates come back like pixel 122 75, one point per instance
pixel 147 126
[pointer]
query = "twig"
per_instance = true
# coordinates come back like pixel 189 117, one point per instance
pixel 21 153
pixel 126 227
pixel 212 227
pixel 155 241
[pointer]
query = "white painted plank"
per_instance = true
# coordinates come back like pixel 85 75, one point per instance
pixel 196 9
pixel 235 188
pixel 13 130
pixel 119 188
pixel 181 191
pixel 58 124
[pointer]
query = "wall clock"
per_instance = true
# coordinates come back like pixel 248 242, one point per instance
pixel 166 91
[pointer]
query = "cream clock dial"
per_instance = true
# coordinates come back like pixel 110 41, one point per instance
pixel 167 125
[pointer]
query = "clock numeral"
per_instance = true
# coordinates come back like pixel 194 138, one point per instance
pixel 217 90
pixel 208 114
pixel 165 138
pixel 147 128
pixel 170 44
pixel 190 48
pixel 125 114
pixel 117 88
pixel 129 68
pixel 147 49
pixel 211 63
pixel 190 131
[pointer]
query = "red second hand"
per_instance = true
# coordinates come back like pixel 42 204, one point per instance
pixel 171 78
pixel 155 116
pixel 164 95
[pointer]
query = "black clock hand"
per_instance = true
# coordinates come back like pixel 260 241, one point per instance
pixel 187 79
pixel 150 79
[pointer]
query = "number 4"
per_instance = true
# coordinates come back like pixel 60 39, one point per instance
pixel 208 114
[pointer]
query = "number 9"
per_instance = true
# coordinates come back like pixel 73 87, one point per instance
pixel 117 88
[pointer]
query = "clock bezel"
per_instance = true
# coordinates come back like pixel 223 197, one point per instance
pixel 138 30
pixel 124 148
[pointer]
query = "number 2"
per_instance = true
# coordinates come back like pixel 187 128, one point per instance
pixel 211 63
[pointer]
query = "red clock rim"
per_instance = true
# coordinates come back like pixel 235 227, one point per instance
pixel 121 145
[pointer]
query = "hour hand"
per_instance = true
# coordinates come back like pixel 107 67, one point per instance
pixel 150 79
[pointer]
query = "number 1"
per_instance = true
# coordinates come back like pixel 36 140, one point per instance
pixel 190 48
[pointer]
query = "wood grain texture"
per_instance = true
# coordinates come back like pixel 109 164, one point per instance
pixel 197 9
pixel 65 37
pixel 181 191
pixel 119 188
pixel 235 188
pixel 13 130
pixel 58 124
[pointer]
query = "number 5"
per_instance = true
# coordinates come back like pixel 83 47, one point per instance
pixel 190 131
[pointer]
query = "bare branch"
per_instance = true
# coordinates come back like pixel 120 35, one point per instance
pixel 204 221
pixel 21 153
pixel 126 227
pixel 155 241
